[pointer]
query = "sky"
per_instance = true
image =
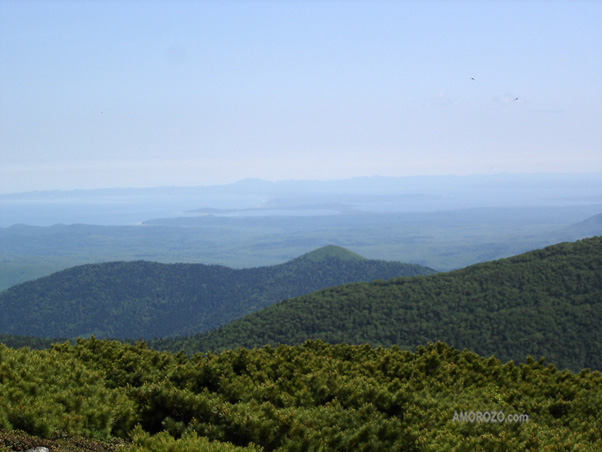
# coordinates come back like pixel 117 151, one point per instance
pixel 97 94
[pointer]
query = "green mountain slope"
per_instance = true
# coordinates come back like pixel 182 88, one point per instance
pixel 145 299
pixel 543 303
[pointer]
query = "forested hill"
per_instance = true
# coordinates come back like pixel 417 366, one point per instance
pixel 146 300
pixel 542 303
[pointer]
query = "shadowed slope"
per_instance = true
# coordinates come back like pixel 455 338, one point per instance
pixel 146 299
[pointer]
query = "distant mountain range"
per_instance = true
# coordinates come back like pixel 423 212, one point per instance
pixel 542 303
pixel 146 300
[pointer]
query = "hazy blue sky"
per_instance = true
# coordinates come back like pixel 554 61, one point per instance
pixel 146 93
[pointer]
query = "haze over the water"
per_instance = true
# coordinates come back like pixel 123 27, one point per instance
pixel 140 94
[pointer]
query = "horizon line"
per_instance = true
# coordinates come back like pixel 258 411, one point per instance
pixel 315 180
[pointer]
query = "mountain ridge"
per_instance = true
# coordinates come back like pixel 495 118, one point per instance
pixel 546 302
pixel 142 299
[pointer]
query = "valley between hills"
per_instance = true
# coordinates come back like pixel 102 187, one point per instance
pixel 546 302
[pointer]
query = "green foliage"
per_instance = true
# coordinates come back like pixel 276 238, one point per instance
pixel 145 300
pixel 313 396
pixel 542 303
pixel 189 442
pixel 324 397
pixel 44 392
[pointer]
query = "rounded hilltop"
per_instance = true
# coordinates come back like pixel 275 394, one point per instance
pixel 331 251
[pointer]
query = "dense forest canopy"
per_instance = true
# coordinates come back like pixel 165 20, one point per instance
pixel 147 299
pixel 313 396
pixel 546 302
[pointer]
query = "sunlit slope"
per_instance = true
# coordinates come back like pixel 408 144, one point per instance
pixel 147 300
pixel 543 303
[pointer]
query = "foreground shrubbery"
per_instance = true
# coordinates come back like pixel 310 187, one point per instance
pixel 295 398
pixel 45 392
